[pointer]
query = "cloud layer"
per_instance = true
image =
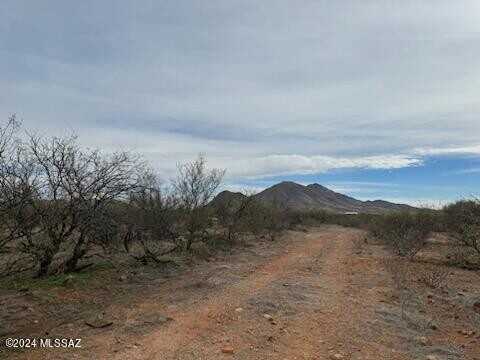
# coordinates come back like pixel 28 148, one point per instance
pixel 263 88
pixel 275 165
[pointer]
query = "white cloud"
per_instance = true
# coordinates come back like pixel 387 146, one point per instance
pixel 474 149
pixel 364 187
pixel 372 184
pixel 274 165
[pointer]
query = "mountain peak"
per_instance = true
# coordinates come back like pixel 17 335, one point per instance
pixel 318 187
pixel 288 183
pixel 311 197
pixel 318 197
pixel 227 197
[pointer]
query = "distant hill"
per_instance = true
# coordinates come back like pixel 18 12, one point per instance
pixel 227 198
pixel 314 197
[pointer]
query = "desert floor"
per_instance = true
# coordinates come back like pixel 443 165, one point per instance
pixel 324 293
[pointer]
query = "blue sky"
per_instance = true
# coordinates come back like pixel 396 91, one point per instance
pixel 377 99
pixel 439 180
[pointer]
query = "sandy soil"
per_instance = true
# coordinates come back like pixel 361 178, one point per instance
pixel 317 295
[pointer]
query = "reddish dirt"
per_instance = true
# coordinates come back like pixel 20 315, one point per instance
pixel 303 290
pixel 311 295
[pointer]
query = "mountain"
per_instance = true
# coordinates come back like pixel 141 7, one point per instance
pixel 227 198
pixel 314 197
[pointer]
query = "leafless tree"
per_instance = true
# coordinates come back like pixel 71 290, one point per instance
pixel 57 196
pixel 150 220
pixel 17 181
pixel 235 215
pixel 195 186
pixel 8 185
pixel 76 188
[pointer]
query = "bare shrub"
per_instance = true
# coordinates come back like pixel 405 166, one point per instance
pixel 275 219
pixel 463 223
pixel 405 233
pixel 16 174
pixel 195 186
pixel 18 225
pixel 463 257
pixel 255 217
pixel 401 272
pixel 320 217
pixel 75 189
pixel 309 218
pixel 433 277
pixel 149 219
pixel 57 197
pixel 249 215
pixel 234 214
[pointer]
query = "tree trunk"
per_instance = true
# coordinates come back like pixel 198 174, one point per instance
pixel 189 241
pixel 78 252
pixel 45 262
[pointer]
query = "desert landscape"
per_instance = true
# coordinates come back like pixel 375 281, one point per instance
pixel 241 179
pixel 326 293
pixel 294 281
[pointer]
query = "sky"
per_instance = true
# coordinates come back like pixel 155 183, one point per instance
pixel 372 98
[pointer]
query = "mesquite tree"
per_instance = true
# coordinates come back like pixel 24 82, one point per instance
pixel 150 220
pixel 195 186
pixel 76 188
pixel 56 196
pixel 18 178
pixel 235 215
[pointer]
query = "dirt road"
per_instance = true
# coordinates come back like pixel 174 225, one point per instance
pixel 305 301
pixel 311 295
pixel 297 305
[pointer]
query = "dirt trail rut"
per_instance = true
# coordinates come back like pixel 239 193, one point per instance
pixel 303 303
pixel 307 296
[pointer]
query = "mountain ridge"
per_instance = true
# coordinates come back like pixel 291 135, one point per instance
pixel 314 197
